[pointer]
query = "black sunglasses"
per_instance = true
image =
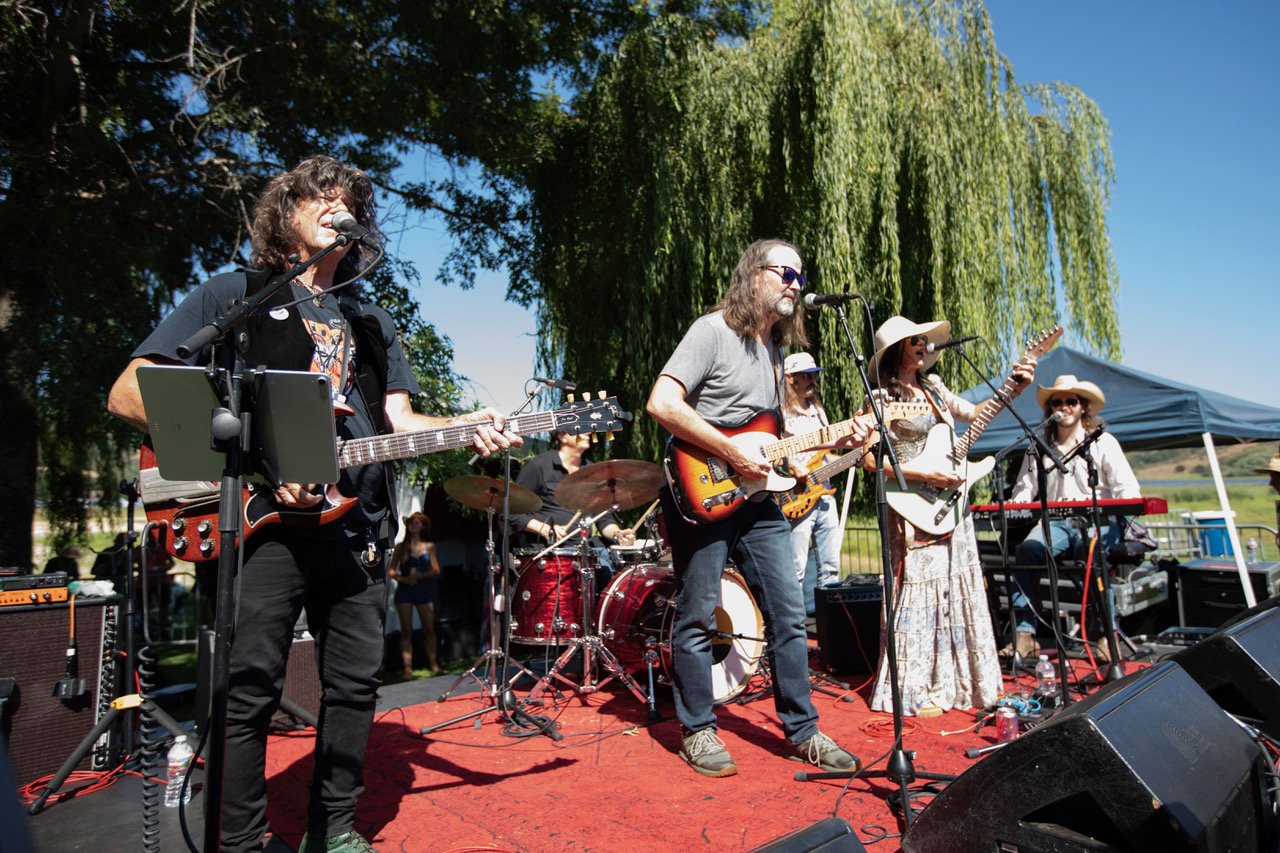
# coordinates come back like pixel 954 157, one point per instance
pixel 1058 404
pixel 787 275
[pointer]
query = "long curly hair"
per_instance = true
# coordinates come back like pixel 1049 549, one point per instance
pixel 743 308
pixel 273 235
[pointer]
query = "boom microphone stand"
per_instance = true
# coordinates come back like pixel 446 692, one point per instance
pixel 899 767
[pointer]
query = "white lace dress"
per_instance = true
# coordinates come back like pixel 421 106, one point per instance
pixel 945 642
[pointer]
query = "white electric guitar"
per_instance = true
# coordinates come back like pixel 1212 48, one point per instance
pixel 938 510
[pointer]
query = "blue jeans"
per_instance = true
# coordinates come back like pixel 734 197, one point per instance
pixel 346 607
pixel 1064 540
pixel 821 525
pixel 757 539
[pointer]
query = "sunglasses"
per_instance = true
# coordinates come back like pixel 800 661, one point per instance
pixel 1058 403
pixel 917 340
pixel 788 275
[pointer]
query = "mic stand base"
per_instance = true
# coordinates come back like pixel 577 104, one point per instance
pixel 898 769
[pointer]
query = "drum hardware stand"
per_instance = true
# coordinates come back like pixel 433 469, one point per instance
pixel 591 643
pixel 495 684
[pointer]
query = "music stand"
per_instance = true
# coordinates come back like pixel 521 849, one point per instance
pixel 202 433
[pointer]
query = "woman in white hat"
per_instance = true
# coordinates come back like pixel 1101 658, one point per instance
pixel 946 646
pixel 1079 402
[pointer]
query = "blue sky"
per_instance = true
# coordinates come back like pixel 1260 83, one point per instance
pixel 1191 94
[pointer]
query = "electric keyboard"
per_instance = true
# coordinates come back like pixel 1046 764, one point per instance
pixel 1028 510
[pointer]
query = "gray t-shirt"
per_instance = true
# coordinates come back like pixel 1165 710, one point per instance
pixel 727 379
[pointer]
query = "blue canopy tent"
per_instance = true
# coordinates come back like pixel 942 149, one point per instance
pixel 1143 412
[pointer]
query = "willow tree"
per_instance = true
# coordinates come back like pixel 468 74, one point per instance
pixel 888 140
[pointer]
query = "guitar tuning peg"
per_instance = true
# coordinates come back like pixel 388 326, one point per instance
pixel 586 395
pixel 601 395
pixel 568 398
pixel 608 436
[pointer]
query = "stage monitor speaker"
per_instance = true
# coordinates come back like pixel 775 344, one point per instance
pixel 1149 763
pixel 301 678
pixel 847 622
pixel 833 835
pixel 43 729
pixel 1239 666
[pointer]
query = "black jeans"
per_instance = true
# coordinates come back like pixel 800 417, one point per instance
pixel 346 608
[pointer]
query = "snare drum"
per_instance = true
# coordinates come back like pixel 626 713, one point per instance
pixel 546 609
pixel 637 613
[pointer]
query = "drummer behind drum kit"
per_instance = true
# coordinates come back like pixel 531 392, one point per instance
pixel 626 629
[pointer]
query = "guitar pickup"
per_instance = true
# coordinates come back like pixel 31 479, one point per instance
pixel 723 498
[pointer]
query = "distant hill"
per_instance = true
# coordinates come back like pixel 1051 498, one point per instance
pixel 1237 460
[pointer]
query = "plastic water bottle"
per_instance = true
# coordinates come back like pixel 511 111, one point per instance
pixel 180 756
pixel 1046 675
pixel 1251 550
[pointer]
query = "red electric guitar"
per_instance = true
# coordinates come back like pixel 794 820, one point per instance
pixel 189 509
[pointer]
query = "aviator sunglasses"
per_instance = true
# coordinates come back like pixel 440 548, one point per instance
pixel 1058 404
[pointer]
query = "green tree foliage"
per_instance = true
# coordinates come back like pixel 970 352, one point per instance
pixel 134 136
pixel 889 140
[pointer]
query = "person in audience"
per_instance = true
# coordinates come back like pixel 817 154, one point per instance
pixel 414 568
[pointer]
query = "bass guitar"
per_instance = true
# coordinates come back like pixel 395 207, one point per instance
pixel 938 510
pixel 189 509
pixel 706 486
pixel 800 498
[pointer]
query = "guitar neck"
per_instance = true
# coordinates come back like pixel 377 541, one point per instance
pixel 989 410
pixel 834 467
pixel 791 445
pixel 402 445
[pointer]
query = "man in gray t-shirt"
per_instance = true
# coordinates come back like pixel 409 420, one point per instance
pixel 725 372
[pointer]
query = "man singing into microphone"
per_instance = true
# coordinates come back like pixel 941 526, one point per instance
pixel 726 370
pixel 1079 403
pixel 335 571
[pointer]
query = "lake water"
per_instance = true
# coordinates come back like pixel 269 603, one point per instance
pixel 1231 481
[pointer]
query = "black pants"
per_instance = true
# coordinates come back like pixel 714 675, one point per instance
pixel 346 608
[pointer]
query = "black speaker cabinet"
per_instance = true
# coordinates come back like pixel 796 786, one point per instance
pixel 1149 763
pixel 1210 593
pixel 1239 666
pixel 833 835
pixel 847 622
pixel 42 728
pixel 301 678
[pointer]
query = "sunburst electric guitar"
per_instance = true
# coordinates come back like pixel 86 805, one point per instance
pixel 707 487
pixel 800 498
pixel 189 509
pixel 938 510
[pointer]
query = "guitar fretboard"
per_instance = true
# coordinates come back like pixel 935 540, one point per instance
pixel 402 445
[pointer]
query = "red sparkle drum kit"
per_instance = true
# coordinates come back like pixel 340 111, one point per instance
pixel 626 630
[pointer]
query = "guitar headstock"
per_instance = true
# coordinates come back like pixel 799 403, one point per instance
pixel 1043 342
pixel 590 416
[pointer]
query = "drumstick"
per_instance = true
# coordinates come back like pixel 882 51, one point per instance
pixel 647 513
pixel 556 543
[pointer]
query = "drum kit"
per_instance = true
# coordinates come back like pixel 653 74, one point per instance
pixel 624 631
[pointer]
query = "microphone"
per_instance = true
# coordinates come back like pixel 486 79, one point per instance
pixel 954 342
pixel 346 223
pixel 817 300
pixel 1055 418
pixel 562 384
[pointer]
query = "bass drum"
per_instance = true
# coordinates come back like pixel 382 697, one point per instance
pixel 637 612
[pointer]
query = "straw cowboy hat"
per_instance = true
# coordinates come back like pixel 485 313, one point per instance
pixel 800 362
pixel 1273 467
pixel 899 329
pixel 1066 383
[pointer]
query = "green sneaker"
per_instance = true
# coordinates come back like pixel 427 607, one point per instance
pixel 824 752
pixel 706 753
pixel 348 842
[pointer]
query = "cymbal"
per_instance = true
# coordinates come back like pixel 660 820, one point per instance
pixel 625 482
pixel 484 492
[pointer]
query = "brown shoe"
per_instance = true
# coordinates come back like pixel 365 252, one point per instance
pixel 1026 646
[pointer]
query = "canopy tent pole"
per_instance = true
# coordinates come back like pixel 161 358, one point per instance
pixel 1229 517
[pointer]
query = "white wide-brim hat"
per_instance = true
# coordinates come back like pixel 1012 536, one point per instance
pixel 899 329
pixel 1067 383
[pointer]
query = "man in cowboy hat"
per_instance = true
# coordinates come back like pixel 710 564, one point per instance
pixel 802 413
pixel 1079 402
pixel 1273 468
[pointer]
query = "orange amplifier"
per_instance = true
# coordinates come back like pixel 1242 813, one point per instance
pixel 33 589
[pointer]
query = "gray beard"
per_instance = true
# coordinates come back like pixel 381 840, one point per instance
pixel 784 307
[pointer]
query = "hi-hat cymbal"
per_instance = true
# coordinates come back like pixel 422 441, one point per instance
pixel 484 492
pixel 625 482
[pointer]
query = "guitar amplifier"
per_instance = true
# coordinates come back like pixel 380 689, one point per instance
pixel 1209 591
pixel 847 622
